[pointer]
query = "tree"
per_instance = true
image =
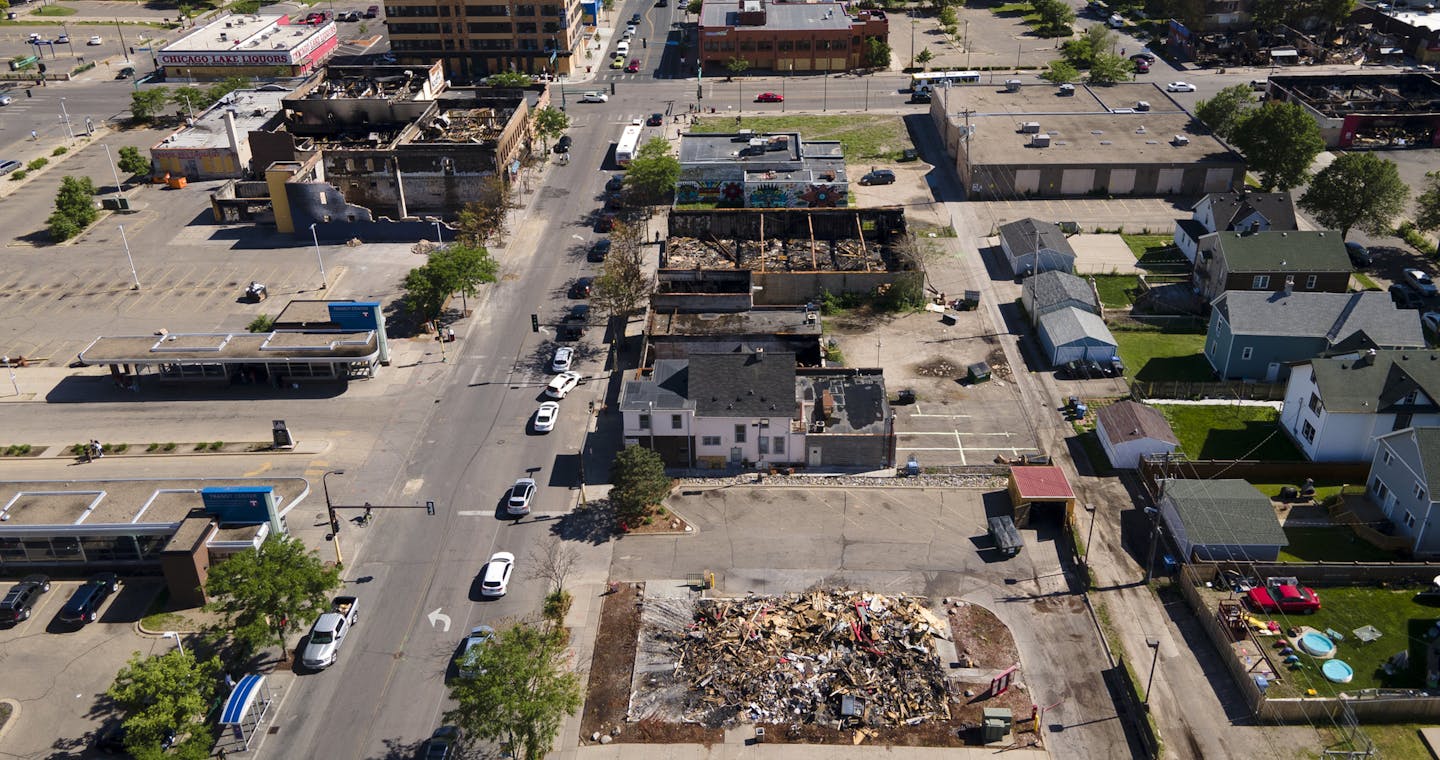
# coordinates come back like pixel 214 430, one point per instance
pixel 224 87
pixel 1056 18
pixel 947 16
pixel 147 104
pixel 694 6
pixel 650 179
pixel 485 219
pixel 520 692
pixel 166 696
pixel 278 589
pixel 1279 141
pixel 509 79
pixel 550 122
pixel 638 482
pixel 426 290
pixel 190 99
pixel 74 208
pixel 1108 68
pixel 924 56
pixel 131 162
pixel 1081 52
pixel 1223 112
pixel 737 66
pixel 465 269
pixel 552 561
pixel 4 5
pixel 1427 206
pixel 625 283
pixel 877 53
pixel 1060 72
pixel 1356 190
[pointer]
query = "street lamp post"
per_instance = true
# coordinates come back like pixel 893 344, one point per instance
pixel 330 511
pixel 126 242
pixel 324 280
pixel 65 116
pixel 1153 643
pixel 178 643
pixel 438 240
pixel 11 369
pixel 111 160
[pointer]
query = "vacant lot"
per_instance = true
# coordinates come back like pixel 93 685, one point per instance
pixel 1154 356
pixel 1229 431
pixel 862 137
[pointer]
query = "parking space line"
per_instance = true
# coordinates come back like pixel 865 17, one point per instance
pixel 960 445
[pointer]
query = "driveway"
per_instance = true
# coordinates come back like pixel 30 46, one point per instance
pixel 926 541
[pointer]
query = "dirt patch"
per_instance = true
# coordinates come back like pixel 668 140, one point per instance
pixel 937 366
pixel 666 524
pixel 607 697
pixel 860 319
pixel 981 639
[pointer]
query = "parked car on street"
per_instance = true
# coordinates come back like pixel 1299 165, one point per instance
pixel 328 633
pixel 655 120
pixel 1420 281
pixel 441 744
pixel 599 250
pixel 581 287
pixel 518 503
pixel 1180 87
pixel 479 636
pixel 562 384
pixel 561 362
pixel 769 97
pixel 545 416
pixel 1359 254
pixel 563 144
pixel 1406 297
pixel 496 579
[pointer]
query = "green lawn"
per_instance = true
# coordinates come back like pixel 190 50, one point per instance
pixel 1025 11
pixel 1227 431
pixel 54 10
pixel 1141 245
pixel 1402 622
pixel 1116 290
pixel 1365 282
pixel 1154 356
pixel 1337 544
pixel 862 137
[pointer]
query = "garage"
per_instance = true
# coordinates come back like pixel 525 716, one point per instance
pixel 1041 492
pixel 1071 334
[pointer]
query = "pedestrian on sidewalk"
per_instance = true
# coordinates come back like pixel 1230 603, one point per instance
pixel 96 449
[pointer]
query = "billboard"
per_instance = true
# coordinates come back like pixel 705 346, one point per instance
pixel 272 57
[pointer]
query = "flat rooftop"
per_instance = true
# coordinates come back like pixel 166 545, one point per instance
pixel 1094 126
pixel 253 110
pixel 245 34
pixel 160 504
pixel 778 16
pixel 855 400
pixel 753 322
pixel 223 348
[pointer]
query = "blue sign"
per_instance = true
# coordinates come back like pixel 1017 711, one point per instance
pixel 241 505
pixel 359 315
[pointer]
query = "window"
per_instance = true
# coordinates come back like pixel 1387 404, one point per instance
pixel 1420 492
pixel 1315 405
pixel 1307 431
pixel 675 422
pixel 739 433
pixel 778 444
pixel 1262 281
pixel 1409 519
pixel 525 10
pixel 1380 490
pixel 786 46
pixel 525 28
pixel 1246 353
pixel 709 440
pixel 1411 397
pixel 644 422
pixel 763 44
pixel 1385 456
pixel 1402 421
pixel 764 443
pixel 802 44
pixel 1310 281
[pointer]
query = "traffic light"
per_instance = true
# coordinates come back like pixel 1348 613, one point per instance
pixel 429 507
pixel 535 323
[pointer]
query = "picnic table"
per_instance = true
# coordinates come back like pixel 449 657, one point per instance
pixel 1367 633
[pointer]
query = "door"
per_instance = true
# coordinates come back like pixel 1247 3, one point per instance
pixel 736 454
pixel 814 459
pixel 1272 372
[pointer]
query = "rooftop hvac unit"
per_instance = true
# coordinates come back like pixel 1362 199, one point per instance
pixel 1067 89
pixel 1012 85
pixel 1040 141
pixel 1180 140
pixel 1029 127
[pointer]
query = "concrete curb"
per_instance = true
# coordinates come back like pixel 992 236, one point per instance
pixel 14 716
pixel 62 451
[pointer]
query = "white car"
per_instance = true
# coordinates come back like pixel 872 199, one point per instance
pixel 518 502
pixel 5 100
pixel 545 416
pixel 630 30
pixel 594 96
pixel 563 356
pixel 496 579
pixel 1420 281
pixel 1180 87
pixel 562 384
pixel 94 40
pixel 479 635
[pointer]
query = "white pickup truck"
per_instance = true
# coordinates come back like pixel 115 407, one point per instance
pixel 328 633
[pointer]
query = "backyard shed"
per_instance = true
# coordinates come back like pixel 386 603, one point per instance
pixel 1216 520
pixel 1043 488
pixel 1129 430
pixel 1070 334
pixel 1032 246
pixel 1052 291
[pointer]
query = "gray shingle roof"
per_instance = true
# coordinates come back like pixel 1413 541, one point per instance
pixel 1427 443
pixel 1049 288
pixel 1277 208
pixel 1131 421
pixel 1337 317
pixel 1225 512
pixel 666 388
pixel 1376 384
pixel 1289 251
pixel 1029 235
pixel 743 385
pixel 1066 326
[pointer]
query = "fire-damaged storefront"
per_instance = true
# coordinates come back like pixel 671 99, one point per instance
pixel 1368 111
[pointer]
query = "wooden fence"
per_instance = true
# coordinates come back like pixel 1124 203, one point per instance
pixel 1153 469
pixel 1195 390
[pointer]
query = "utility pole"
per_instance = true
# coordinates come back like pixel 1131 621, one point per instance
pixel 330 511
pixel 125 51
pixel 1153 643
pixel 911 14
pixel 126 242
pixel 1154 513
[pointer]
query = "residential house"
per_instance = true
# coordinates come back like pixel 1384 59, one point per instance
pixel 1405 482
pixel 1335 408
pixel 1032 246
pixel 1221 520
pixel 1234 212
pixel 744 409
pixel 1129 431
pixel 1072 334
pixel 1052 291
pixel 1256 336
pixel 1306 262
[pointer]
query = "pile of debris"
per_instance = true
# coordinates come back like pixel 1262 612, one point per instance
pixel 776 254
pixel 839 658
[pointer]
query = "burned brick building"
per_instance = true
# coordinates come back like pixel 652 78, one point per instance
pixel 1371 111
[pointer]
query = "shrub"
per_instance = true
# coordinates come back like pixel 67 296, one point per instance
pixel 60 151
pixel 121 447
pixel 557 605
pixel 152 447
pixel 201 446
pixel 37 164
pixel 216 446
pixel 19 174
pixel 169 447
pixel 261 324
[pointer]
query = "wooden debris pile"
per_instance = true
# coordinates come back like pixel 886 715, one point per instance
pixel 776 254
pixel 841 658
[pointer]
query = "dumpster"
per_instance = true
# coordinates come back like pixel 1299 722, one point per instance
pixel 978 372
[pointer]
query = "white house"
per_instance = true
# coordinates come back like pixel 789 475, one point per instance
pixel 1336 408
pixel 1217 212
pixel 1129 430
pixel 1405 482
pixel 1032 246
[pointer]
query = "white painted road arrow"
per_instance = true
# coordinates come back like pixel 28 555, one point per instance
pixel 436 615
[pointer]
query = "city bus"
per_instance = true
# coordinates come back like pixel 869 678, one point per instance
pixel 629 142
pixel 931 79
